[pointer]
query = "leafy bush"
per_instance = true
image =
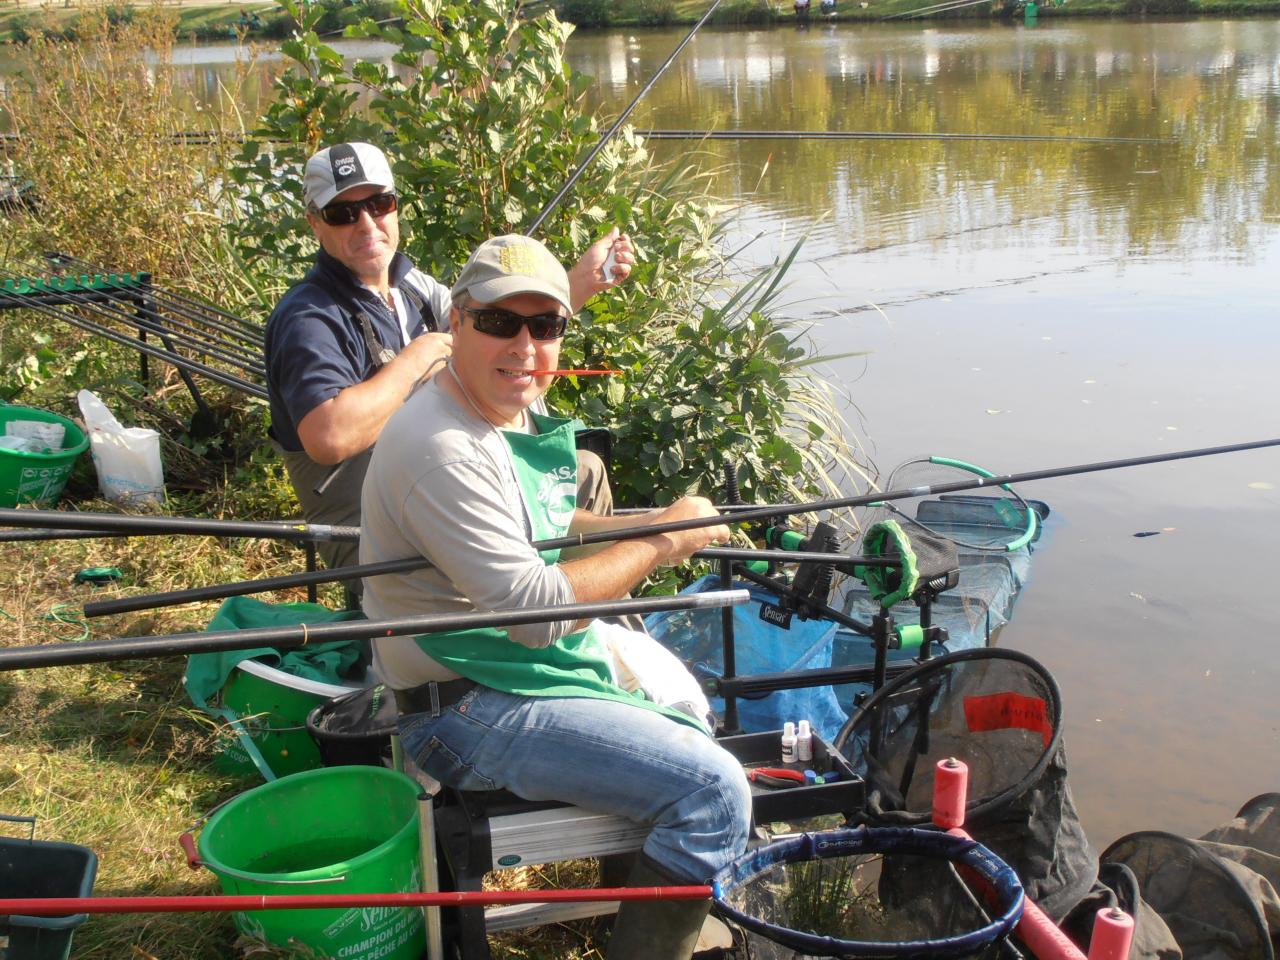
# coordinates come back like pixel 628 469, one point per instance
pixel 655 13
pixel 746 12
pixel 587 13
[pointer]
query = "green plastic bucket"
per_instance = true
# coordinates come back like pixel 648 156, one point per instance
pixel 276 705
pixel 37 477
pixel 337 830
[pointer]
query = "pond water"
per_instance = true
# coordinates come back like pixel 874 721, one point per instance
pixel 1024 305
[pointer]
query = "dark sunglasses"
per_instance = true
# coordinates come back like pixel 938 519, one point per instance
pixel 497 322
pixel 345 214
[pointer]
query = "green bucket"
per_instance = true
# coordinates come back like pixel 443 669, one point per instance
pixel 276 705
pixel 37 477
pixel 337 830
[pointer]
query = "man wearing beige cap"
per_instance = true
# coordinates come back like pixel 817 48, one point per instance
pixel 542 710
pixel 347 344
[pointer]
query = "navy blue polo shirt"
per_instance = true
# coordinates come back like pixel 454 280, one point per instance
pixel 314 346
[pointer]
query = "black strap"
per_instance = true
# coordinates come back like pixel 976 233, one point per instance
pixel 433 696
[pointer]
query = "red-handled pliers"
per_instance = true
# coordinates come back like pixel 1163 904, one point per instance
pixel 775 776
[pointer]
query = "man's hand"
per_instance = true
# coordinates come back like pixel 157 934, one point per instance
pixel 427 354
pixel 351 422
pixel 680 544
pixel 586 277
pixel 611 572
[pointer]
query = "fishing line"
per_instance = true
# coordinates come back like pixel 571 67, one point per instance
pixel 883 135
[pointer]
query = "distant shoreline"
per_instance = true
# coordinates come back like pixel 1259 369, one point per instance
pixel 265 19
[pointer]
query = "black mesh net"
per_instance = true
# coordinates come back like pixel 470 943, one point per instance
pixel 999 711
pixel 832 894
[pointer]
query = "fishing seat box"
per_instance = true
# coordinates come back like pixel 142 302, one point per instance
pixel 42 868
pixel 480 832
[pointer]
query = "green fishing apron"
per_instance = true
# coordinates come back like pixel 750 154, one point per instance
pixel 577 665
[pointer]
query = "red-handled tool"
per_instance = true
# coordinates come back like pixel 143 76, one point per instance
pixel 775 776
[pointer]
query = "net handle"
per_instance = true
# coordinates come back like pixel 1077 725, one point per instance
pixel 1033 521
pixel 863 841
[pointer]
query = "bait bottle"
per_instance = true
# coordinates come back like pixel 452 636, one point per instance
pixel 788 742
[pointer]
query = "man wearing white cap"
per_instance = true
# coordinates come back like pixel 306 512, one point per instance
pixel 347 345
pixel 542 710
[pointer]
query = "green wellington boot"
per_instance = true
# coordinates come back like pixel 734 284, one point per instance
pixel 656 929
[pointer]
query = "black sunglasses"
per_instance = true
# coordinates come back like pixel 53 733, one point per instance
pixel 497 322
pixel 347 213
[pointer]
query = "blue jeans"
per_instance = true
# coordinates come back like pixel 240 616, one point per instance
pixel 600 754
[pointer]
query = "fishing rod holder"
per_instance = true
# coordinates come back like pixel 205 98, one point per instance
pixel 127 308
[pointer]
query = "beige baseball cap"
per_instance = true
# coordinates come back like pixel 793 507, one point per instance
pixel 510 265
pixel 341 167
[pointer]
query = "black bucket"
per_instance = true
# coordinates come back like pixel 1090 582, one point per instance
pixel 355 728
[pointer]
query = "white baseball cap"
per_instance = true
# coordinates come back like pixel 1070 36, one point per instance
pixel 341 167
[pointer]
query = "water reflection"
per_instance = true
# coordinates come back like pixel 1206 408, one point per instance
pixel 1209 88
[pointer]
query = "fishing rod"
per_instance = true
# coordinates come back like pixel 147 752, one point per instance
pixel 320 488
pixel 174 358
pixel 52 906
pixel 136 526
pixel 288 638
pixel 34 535
pixel 138 313
pixel 881 135
pixel 945 7
pixel 197 311
pixel 172 598
pixel 817 506
pixel 249 328
pixel 617 124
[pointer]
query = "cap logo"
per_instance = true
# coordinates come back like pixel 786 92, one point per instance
pixel 519 260
pixel 346 166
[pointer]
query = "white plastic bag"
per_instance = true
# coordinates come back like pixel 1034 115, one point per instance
pixel 127 458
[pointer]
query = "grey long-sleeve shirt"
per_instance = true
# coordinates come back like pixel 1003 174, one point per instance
pixel 441 486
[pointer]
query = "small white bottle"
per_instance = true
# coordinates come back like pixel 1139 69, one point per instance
pixel 788 742
pixel 804 742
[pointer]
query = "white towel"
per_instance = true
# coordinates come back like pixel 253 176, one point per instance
pixel 642 663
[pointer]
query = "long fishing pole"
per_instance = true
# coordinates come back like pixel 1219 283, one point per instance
pixel 617 124
pixel 338 468
pixel 220 591
pixel 174 358
pixel 53 906
pixel 128 525
pixel 249 327
pixel 880 135
pixel 124 304
pixel 287 638
pixel 244 331
pixel 748 515
pixel 816 506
